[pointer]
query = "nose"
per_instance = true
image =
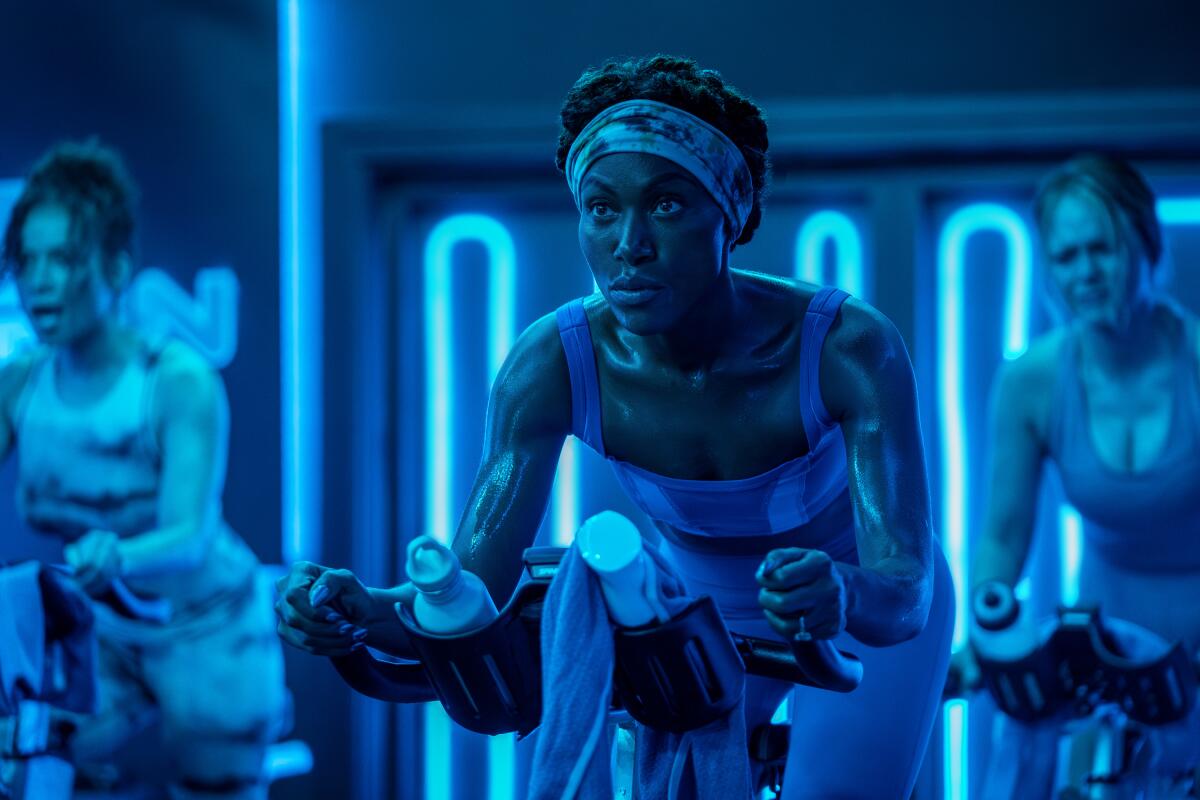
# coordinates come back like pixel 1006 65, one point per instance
pixel 634 245
pixel 38 276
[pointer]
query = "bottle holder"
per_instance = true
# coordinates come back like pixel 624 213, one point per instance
pixel 679 675
pixel 489 680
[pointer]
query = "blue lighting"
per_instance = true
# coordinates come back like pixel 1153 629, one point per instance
pixel 206 318
pixel 954 721
pixel 14 328
pixel 300 321
pixel 565 512
pixel 810 243
pixel 959 228
pixel 1070 527
pixel 1179 211
pixel 439 449
pixel 439 344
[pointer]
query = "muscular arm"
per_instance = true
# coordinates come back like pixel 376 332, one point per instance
pixel 1017 451
pixel 529 415
pixel 191 416
pixel 528 418
pixel 868 386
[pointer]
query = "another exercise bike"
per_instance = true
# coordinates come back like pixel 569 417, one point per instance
pixel 1080 667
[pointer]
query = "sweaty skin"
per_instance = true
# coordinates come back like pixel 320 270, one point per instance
pixel 699 378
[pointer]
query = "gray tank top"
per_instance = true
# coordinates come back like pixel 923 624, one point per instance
pixel 1147 520
pixel 98 466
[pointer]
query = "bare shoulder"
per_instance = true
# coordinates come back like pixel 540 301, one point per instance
pixel 14 374
pixel 862 335
pixel 864 362
pixel 186 379
pixel 535 379
pixel 1024 387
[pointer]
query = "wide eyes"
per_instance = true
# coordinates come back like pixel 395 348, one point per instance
pixel 600 209
pixel 663 207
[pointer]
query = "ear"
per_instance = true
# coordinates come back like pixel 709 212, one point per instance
pixel 119 271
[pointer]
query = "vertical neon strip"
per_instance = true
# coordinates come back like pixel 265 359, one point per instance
pixel 959 228
pixel 565 512
pixel 810 243
pixel 954 725
pixel 1070 527
pixel 300 339
pixel 439 450
pixel 14 328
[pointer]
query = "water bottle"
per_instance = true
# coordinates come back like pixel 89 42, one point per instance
pixel 612 547
pixel 450 599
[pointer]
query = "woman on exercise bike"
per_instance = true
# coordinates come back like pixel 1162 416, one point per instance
pixel 768 427
pixel 1112 399
pixel 121 443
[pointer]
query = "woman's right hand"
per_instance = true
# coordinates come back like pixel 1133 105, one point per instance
pixel 322 611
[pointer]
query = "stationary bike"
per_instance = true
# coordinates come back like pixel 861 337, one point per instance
pixel 1079 667
pixel 676 676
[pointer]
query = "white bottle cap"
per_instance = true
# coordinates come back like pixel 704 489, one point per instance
pixel 431 565
pixel 608 542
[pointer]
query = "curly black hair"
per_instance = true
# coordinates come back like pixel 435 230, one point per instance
pixel 679 82
pixel 89 181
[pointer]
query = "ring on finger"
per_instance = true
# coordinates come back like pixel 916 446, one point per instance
pixel 802 635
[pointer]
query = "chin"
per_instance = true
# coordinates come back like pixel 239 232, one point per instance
pixel 641 321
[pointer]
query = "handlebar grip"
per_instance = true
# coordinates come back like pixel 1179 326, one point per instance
pixel 816 663
pixel 768 659
pixel 382 680
pixel 826 667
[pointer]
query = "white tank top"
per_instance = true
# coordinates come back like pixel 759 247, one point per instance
pixel 98 466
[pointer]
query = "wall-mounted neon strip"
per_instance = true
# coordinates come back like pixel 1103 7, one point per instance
pixel 14 328
pixel 565 511
pixel 1179 211
pixel 810 244
pixel 300 320
pixel 439 449
pixel 954 726
pixel 951 301
pixel 1070 552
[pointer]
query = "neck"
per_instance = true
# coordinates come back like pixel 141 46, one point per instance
pixel 702 334
pixel 1128 344
pixel 101 347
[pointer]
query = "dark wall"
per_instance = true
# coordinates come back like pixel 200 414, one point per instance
pixel 187 92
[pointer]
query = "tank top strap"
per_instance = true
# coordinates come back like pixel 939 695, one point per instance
pixel 822 311
pixel 581 365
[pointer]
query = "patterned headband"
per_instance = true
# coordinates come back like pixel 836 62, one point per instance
pixel 648 126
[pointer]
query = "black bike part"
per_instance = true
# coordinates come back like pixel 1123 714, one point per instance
pixel 488 680
pixel 826 667
pixel 383 680
pixel 1153 693
pixel 681 674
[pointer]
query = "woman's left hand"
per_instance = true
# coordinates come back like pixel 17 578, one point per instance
pixel 96 559
pixel 803 594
